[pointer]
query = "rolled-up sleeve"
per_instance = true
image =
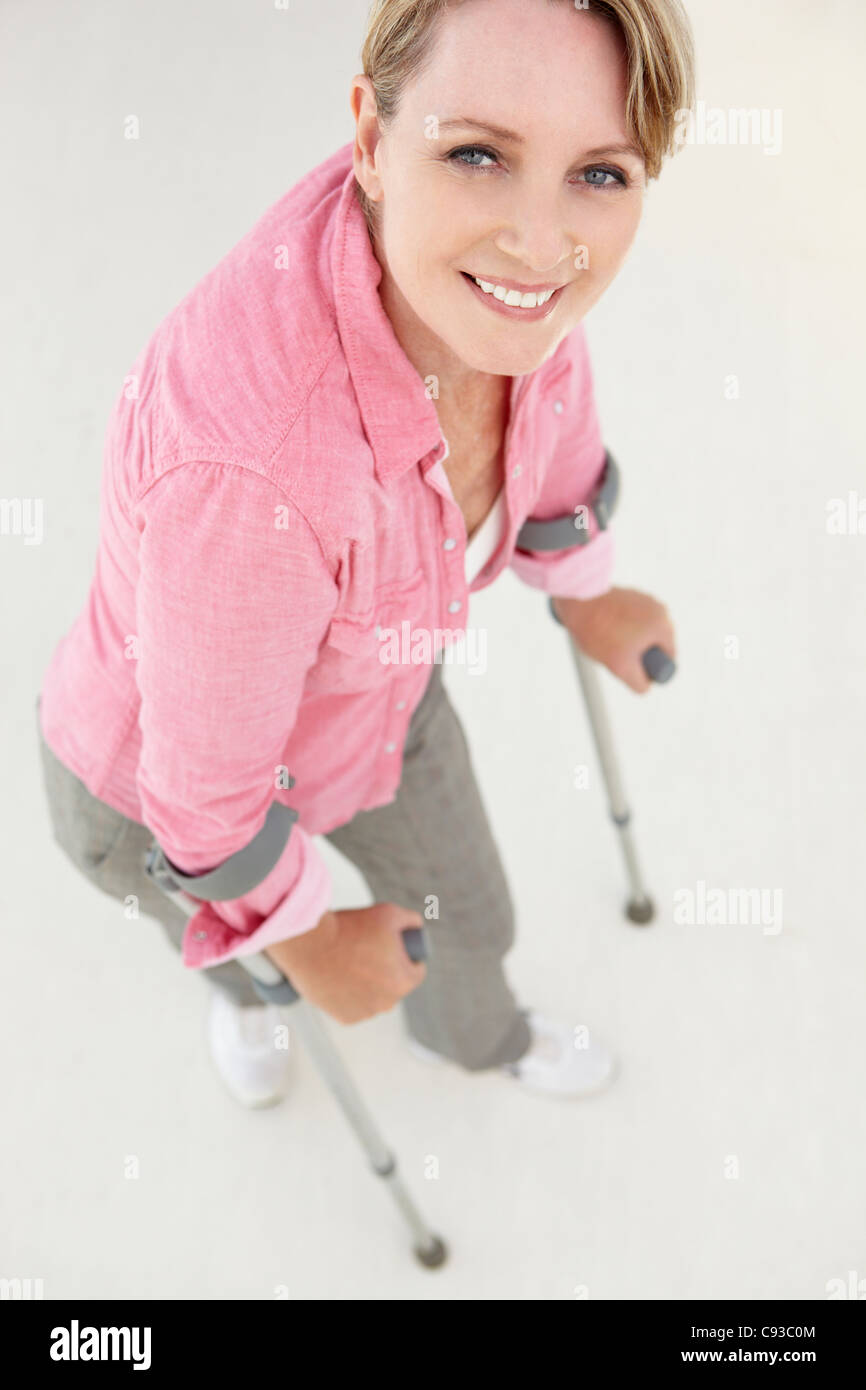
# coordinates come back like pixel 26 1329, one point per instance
pixel 583 571
pixel 233 599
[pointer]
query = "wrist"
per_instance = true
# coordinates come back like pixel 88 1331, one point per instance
pixel 568 611
pixel 294 949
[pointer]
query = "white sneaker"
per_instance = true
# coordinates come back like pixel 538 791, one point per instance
pixel 554 1064
pixel 243 1044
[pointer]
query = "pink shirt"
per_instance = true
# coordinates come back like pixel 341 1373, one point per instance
pixel 272 497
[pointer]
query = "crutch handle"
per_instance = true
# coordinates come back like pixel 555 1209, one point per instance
pixel 657 664
pixel 415 941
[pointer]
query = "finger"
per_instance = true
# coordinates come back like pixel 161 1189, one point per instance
pixel 634 676
pixel 638 679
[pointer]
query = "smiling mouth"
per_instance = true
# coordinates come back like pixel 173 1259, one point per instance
pixel 511 299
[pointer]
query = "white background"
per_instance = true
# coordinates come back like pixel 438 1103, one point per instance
pixel 741 773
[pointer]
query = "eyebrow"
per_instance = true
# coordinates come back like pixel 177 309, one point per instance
pixel 500 133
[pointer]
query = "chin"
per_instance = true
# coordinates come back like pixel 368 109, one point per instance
pixel 504 358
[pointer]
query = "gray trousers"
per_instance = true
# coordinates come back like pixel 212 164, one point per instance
pixel 433 840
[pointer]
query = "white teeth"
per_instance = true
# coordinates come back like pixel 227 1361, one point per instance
pixel 525 301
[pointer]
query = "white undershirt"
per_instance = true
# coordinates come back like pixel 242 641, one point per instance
pixel 484 541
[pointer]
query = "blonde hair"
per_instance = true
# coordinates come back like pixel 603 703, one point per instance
pixel 401 34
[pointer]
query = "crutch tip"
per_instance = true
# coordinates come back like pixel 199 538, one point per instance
pixel 433 1254
pixel 640 910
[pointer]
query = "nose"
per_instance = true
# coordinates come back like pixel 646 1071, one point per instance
pixel 535 234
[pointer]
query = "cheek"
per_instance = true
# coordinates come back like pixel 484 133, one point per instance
pixel 451 214
pixel 427 235
pixel 610 241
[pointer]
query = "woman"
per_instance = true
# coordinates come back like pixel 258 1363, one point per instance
pixel 341 429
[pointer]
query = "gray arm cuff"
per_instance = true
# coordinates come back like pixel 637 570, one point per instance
pixel 243 870
pixel 563 532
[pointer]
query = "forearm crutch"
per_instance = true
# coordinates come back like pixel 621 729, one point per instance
pixel 640 907
pixel 273 987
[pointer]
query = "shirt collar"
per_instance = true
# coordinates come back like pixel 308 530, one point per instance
pixel 399 418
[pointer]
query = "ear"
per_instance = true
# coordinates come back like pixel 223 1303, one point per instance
pixel 362 102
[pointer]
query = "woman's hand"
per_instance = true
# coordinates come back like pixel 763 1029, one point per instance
pixel 616 628
pixel 354 963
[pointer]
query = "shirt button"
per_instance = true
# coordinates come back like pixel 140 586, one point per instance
pixel 389 747
pixel 558 407
pixel 401 704
pixel 449 543
pixel 516 471
pixel 200 935
pixel 454 605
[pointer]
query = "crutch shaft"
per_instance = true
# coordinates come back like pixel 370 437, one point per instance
pixel 619 810
pixel 659 667
pixel 272 986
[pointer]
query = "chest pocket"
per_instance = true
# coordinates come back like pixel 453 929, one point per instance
pixel 350 658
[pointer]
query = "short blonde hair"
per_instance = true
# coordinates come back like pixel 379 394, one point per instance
pixel 658 40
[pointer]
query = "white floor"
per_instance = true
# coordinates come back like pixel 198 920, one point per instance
pixel 728 1160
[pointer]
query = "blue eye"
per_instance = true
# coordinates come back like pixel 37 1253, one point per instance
pixel 615 174
pixel 455 156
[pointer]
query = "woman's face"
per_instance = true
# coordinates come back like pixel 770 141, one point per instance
pixel 553 203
